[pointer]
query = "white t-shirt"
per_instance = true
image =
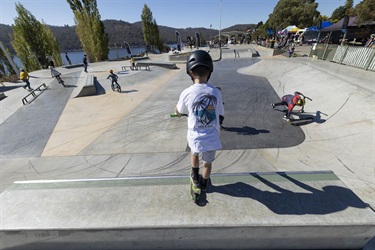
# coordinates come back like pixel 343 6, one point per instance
pixel 203 103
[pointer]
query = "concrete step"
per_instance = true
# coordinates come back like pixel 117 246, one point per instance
pixel 277 210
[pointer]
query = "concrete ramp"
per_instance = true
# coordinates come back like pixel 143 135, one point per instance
pixel 278 210
pixel 85 86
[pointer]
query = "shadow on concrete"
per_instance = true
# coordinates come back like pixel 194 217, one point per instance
pixel 329 199
pixel 318 117
pixel 100 90
pixel 7 88
pixel 129 91
pixel 70 86
pixel 307 117
pixel 245 130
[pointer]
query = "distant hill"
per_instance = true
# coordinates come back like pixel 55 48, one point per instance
pixel 120 31
pixel 5 30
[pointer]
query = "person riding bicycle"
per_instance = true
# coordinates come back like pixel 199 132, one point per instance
pixel 113 77
pixel 290 101
pixel 55 73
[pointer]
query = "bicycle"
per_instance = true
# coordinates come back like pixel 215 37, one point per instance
pixel 59 80
pixel 115 86
pixel 57 74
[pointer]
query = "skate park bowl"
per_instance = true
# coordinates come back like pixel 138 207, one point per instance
pixel 110 171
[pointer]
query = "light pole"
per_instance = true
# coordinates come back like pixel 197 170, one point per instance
pixel 220 56
pixel 210 36
pixel 221 7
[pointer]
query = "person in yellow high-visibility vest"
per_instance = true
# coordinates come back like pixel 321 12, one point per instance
pixel 24 76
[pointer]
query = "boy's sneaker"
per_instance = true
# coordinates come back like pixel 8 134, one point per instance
pixel 287 119
pixel 273 105
pixel 194 181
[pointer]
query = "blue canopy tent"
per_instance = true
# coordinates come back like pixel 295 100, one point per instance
pixel 312 33
pixel 325 24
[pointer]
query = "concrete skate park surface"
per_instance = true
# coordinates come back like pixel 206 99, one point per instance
pixel 126 137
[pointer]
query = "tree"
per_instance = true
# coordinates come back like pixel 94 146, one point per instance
pixel 158 42
pixel 90 29
pixel 33 41
pixel 53 48
pixel 323 18
pixel 341 11
pixel 293 12
pixel 365 11
pixel 259 25
pixel 150 29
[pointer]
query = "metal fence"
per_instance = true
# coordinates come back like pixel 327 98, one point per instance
pixel 360 57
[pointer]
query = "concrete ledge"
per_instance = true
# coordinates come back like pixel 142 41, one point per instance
pixel 139 66
pixel 254 53
pixel 159 64
pixel 146 66
pixel 295 210
pixel 270 51
pixel 73 66
pixel 2 96
pixel 179 57
pixel 85 86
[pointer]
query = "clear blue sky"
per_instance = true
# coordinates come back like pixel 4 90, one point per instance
pixel 172 13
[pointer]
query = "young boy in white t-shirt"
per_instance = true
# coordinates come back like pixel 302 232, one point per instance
pixel 204 105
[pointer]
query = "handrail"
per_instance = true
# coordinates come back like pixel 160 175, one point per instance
pixel 34 94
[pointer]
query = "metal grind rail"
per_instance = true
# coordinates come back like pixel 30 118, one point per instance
pixel 34 94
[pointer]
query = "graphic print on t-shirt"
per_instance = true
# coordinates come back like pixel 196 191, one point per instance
pixel 204 109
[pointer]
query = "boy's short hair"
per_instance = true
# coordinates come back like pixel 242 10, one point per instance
pixel 201 71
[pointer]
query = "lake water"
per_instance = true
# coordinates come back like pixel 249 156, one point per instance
pixel 77 56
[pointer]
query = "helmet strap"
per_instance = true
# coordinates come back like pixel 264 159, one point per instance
pixel 208 77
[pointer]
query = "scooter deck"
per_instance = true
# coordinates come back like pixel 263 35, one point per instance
pixel 195 192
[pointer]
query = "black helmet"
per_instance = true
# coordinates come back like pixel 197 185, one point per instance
pixel 199 58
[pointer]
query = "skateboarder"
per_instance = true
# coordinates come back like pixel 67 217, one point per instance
pixel 203 103
pixel 290 101
pixel 24 76
pixel 132 61
pixel 67 58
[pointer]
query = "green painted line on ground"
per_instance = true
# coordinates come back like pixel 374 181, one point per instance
pixel 176 180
